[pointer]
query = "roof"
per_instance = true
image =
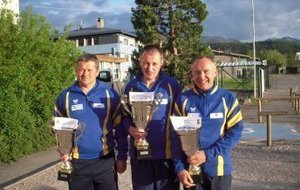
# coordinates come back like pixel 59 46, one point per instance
pixel 110 59
pixel 98 31
pixel 218 52
pixel 240 64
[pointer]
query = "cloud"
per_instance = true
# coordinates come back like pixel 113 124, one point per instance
pixel 233 19
pixel 64 12
pixel 229 19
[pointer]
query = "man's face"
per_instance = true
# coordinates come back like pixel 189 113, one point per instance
pixel 86 73
pixel 204 72
pixel 151 63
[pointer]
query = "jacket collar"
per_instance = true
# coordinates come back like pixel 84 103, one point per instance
pixel 211 91
pixel 140 85
pixel 76 88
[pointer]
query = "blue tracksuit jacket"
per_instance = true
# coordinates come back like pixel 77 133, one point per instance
pixel 100 113
pixel 221 128
pixel 158 134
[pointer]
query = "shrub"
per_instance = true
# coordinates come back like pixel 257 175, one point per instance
pixel 35 67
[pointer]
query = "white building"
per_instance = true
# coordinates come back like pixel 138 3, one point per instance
pixel 297 57
pixel 114 46
pixel 12 5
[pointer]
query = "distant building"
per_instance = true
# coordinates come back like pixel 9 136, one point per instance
pixel 241 66
pixel 297 57
pixel 12 5
pixel 113 47
pixel 234 64
pixel 295 67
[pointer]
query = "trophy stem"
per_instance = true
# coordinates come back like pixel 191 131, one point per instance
pixel 143 149
pixel 196 174
pixel 142 144
pixel 66 167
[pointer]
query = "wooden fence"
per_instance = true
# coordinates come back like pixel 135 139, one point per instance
pixel 294 99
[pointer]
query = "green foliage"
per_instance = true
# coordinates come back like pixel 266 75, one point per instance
pixel 175 25
pixel 273 57
pixel 35 67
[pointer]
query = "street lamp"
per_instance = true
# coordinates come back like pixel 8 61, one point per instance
pixel 254 51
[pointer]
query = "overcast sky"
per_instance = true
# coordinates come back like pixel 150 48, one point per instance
pixel 226 18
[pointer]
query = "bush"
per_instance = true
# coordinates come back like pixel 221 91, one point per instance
pixel 35 67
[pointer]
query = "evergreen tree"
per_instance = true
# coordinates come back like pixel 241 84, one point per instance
pixel 174 25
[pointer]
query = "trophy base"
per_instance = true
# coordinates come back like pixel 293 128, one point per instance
pixel 62 176
pixel 198 179
pixel 143 154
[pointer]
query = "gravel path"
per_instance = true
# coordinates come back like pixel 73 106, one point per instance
pixel 256 166
pixel 47 180
pixel 260 167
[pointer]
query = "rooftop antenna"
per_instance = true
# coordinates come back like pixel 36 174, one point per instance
pixel 80 26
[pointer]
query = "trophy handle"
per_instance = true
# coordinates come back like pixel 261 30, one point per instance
pixel 157 101
pixel 57 142
pixel 124 102
pixel 79 132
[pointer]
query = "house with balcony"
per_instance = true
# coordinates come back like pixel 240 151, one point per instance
pixel 113 47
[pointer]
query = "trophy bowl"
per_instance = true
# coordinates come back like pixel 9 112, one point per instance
pixel 65 139
pixel 189 142
pixel 141 114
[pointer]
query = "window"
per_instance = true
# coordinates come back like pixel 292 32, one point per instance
pixel 96 40
pixel 80 42
pixel 125 41
pixel 88 41
pixel 116 73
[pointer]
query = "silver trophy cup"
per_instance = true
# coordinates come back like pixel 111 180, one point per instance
pixel 189 142
pixel 141 112
pixel 66 140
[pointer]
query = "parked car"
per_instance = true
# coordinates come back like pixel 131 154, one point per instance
pixel 105 76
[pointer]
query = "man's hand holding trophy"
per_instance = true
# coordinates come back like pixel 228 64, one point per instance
pixel 188 130
pixel 141 106
pixel 67 131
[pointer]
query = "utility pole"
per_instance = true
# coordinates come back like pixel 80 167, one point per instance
pixel 254 51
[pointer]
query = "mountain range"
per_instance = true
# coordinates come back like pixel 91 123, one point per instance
pixel 217 39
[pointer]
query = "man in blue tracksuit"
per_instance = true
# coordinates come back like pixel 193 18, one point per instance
pixel 156 172
pixel 220 132
pixel 97 107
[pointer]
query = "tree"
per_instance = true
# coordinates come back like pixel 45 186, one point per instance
pixel 175 25
pixel 273 57
pixel 35 67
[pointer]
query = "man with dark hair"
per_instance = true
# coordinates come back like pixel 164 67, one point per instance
pixel 157 171
pixel 221 129
pixel 97 107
